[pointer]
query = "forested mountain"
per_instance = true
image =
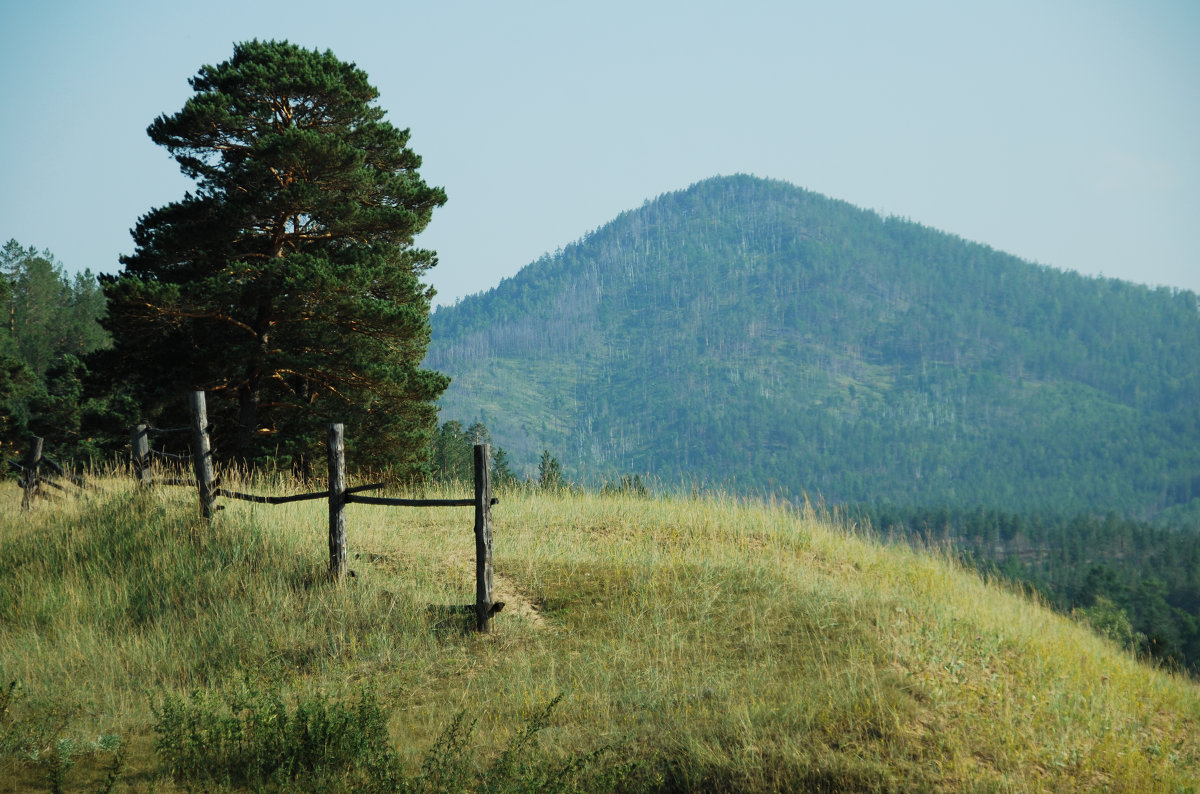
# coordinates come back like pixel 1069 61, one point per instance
pixel 751 334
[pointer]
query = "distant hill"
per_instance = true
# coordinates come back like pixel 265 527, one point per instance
pixel 751 334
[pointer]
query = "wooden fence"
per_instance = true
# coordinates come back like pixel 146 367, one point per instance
pixel 339 495
pixel 37 469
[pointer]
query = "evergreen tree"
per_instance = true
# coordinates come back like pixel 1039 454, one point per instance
pixel 47 314
pixel 50 321
pixel 16 382
pixel 452 455
pixel 550 477
pixel 502 474
pixel 288 285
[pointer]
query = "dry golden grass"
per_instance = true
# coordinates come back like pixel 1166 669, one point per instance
pixel 734 645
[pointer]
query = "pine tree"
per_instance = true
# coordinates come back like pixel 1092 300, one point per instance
pixel 502 474
pixel 550 477
pixel 50 321
pixel 287 285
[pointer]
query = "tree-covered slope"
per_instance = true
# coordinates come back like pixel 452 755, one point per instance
pixel 749 333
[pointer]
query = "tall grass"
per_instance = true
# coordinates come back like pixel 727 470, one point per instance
pixel 725 644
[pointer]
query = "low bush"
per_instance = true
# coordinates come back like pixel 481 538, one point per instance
pixel 251 739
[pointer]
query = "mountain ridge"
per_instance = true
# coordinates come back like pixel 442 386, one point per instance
pixel 749 333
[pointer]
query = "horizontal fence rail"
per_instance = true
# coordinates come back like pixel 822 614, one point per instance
pixel 390 502
pixel 164 431
pixel 300 497
pixel 178 458
pixel 37 469
pixel 338 495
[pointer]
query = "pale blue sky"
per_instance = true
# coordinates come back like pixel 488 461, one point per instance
pixel 1067 133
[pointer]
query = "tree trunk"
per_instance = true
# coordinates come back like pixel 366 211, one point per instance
pixel 248 400
pixel 250 395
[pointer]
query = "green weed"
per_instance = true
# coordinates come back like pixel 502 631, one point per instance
pixel 252 740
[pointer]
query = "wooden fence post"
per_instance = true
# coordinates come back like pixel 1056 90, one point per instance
pixel 29 473
pixel 337 502
pixel 139 441
pixel 202 453
pixel 483 537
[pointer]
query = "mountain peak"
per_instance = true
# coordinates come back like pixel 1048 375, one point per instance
pixel 750 333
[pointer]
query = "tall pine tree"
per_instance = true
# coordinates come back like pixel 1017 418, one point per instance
pixel 287 285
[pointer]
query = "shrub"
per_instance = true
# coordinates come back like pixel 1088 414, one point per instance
pixel 251 739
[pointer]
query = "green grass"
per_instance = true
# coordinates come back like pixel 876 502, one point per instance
pixel 726 645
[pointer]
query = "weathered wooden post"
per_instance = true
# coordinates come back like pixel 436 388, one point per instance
pixel 337 502
pixel 29 472
pixel 202 454
pixel 139 442
pixel 483 537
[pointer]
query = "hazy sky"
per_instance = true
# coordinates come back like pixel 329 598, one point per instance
pixel 1067 133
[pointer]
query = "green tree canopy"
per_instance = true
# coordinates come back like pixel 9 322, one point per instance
pixel 287 285
pixel 50 320
pixel 550 476
pixel 453 455
pixel 49 314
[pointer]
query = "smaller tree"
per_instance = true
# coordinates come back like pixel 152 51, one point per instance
pixel 451 455
pixel 1109 621
pixel 17 385
pixel 627 484
pixel 502 474
pixel 50 322
pixel 550 477
pixel 49 314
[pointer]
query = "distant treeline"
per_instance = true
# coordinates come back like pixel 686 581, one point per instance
pixel 1137 582
pixel 451 460
pixel 51 322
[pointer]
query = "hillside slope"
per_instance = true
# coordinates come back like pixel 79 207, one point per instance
pixel 724 645
pixel 750 333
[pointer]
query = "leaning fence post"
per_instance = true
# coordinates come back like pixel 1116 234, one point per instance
pixel 483 537
pixel 337 502
pixel 139 441
pixel 29 473
pixel 202 453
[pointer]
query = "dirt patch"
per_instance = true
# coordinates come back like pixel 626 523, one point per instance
pixel 516 602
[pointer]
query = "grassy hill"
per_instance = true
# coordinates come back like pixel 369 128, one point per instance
pixel 751 334
pixel 695 644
